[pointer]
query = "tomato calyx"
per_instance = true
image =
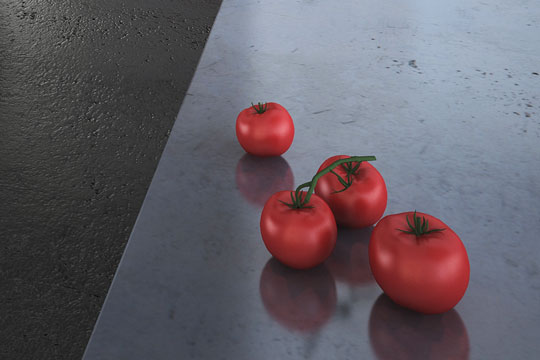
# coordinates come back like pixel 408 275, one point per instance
pixel 420 227
pixel 350 169
pixel 299 201
pixel 260 108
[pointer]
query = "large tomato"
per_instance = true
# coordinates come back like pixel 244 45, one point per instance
pixel 265 129
pixel 363 203
pixel 299 238
pixel 419 262
pixel 302 300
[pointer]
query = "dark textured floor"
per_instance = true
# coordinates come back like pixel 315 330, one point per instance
pixel 88 93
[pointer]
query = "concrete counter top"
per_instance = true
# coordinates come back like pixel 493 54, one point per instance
pixel 446 96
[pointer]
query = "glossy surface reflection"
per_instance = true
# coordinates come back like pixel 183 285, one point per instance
pixel 349 263
pixel 399 333
pixel 300 300
pixel 258 178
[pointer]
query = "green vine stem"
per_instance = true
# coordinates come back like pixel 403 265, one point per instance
pixel 350 170
pixel 298 201
pixel 419 228
pixel 261 107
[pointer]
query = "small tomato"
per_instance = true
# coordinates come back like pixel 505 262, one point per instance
pixel 265 129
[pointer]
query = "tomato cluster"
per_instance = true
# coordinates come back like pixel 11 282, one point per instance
pixel 302 233
pixel 417 260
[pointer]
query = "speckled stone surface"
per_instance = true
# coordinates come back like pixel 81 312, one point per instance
pixel 446 96
pixel 89 91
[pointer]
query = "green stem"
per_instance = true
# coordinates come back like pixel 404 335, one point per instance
pixel 298 203
pixel 420 227
pixel 261 108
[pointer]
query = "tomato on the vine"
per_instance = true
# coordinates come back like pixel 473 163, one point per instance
pixel 357 197
pixel 300 238
pixel 419 262
pixel 265 129
pixel 301 233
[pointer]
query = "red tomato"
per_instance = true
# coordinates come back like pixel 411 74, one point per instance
pixel 269 133
pixel 396 333
pixel 428 273
pixel 302 300
pixel 258 178
pixel 299 238
pixel 363 203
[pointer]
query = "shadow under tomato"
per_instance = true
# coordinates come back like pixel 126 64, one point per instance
pixel 399 333
pixel 300 300
pixel 258 178
pixel 349 262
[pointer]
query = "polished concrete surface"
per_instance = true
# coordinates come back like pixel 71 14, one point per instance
pixel 89 91
pixel 445 95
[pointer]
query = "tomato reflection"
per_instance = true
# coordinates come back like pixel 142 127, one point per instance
pixel 349 263
pixel 301 300
pixel 258 178
pixel 400 334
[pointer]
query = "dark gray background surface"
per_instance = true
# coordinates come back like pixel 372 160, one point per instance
pixel 88 93
pixel 445 94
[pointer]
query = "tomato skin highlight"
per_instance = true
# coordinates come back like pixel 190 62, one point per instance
pixel 363 203
pixel 429 273
pixel 299 238
pixel 268 134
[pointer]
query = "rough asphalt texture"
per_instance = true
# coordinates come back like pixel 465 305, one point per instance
pixel 88 93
